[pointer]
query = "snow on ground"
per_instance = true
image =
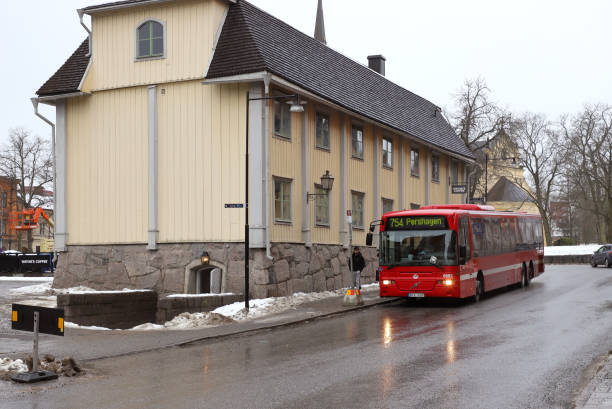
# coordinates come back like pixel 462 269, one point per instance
pixel 92 327
pixel 571 250
pixel 198 295
pixel 37 279
pixel 9 365
pixel 235 312
pixel 45 289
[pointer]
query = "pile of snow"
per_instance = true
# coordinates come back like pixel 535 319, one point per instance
pixel 198 295
pixel 91 327
pixel 45 289
pixel 236 312
pixel 9 365
pixel 28 279
pixel 571 250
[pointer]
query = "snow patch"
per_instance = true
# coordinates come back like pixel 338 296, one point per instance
pixel 9 365
pixel 45 289
pixel 580 250
pixel 26 279
pixel 91 327
pixel 198 295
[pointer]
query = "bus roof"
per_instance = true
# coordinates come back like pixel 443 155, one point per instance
pixel 449 210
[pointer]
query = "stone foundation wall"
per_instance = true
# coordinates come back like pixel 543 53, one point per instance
pixel 294 268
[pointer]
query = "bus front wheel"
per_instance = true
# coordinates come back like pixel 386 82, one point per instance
pixel 524 277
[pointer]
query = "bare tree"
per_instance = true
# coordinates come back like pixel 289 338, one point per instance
pixel 476 119
pixel 588 165
pixel 27 159
pixel 538 144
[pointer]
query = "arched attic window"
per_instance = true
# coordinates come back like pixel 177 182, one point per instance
pixel 150 42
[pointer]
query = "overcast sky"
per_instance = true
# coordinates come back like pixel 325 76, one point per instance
pixel 548 56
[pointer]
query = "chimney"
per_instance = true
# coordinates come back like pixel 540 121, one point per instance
pixel 377 63
pixel 320 24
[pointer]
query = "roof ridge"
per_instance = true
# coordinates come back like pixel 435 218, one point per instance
pixel 310 38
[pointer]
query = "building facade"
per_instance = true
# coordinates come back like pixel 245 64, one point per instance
pixel 8 203
pixel 152 121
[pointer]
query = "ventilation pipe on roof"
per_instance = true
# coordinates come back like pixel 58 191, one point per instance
pixel 377 63
pixel 81 14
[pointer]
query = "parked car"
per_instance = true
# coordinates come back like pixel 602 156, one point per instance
pixel 602 256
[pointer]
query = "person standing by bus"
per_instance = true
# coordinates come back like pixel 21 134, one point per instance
pixel 358 264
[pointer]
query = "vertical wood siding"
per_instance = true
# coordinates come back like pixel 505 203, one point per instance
pixel 285 158
pixel 320 161
pixel 191 26
pixel 107 139
pixel 202 132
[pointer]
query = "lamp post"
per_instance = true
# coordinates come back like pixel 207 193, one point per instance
pixel 327 182
pixel 296 106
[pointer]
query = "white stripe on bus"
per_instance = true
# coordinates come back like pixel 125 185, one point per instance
pixel 495 270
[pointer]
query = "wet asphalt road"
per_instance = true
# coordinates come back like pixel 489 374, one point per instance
pixel 516 349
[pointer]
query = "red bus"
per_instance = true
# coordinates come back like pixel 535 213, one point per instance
pixel 457 251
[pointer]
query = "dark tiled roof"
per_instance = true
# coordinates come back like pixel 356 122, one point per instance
pixel 506 191
pixel 253 41
pixel 69 76
pixel 114 4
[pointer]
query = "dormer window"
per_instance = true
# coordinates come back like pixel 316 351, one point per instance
pixel 150 40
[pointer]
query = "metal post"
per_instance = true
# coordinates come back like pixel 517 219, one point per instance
pixel 353 278
pixel 246 213
pixel 35 354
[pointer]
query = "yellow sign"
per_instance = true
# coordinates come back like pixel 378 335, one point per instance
pixel 14 316
pixel 60 324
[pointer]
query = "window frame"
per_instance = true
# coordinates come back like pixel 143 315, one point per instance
pixel 360 195
pixel 278 220
pixel 137 57
pixel 282 104
pixel 319 190
pixel 437 159
pixel 321 113
pixel 389 152
pixel 360 127
pixel 414 150
pixel 385 200
pixel 454 166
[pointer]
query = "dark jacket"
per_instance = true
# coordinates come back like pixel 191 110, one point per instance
pixel 358 262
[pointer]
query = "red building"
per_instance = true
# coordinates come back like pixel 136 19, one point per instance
pixel 8 203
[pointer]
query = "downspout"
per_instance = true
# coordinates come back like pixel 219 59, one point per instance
pixel 81 13
pixel 35 102
pixel 267 164
pixel 469 179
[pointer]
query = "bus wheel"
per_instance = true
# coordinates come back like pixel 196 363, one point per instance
pixel 479 288
pixel 524 279
pixel 531 272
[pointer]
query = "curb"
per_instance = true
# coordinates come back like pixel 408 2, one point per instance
pixel 238 331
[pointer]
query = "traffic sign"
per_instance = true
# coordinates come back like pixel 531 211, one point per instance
pixel 51 320
pixel 234 205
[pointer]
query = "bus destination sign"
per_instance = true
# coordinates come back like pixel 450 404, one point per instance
pixel 416 223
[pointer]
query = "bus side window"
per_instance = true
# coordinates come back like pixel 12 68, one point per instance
pixel 464 240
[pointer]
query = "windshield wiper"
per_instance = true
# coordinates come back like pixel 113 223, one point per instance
pixel 434 261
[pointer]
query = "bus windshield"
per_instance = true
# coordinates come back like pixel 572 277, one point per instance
pixel 416 247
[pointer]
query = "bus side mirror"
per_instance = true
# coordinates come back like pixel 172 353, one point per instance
pixel 369 238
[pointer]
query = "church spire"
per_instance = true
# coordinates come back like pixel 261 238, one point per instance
pixel 320 24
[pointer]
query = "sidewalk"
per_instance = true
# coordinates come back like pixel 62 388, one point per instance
pixel 598 394
pixel 84 345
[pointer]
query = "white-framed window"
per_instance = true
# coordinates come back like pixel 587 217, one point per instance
pixel 357 141
pixel 150 40
pixel 454 172
pixel 321 206
pixel 282 119
pixel 282 200
pixel 387 152
pixel 435 168
pixel 357 200
pixel 322 130
pixel 387 205
pixel 414 162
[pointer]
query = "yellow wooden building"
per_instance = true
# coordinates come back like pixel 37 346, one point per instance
pixel 151 142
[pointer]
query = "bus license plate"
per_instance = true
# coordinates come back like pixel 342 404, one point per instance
pixel 416 295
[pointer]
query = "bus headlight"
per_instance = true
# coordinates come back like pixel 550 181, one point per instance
pixel 448 282
pixel 387 282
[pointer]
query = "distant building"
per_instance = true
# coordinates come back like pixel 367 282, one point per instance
pixel 151 131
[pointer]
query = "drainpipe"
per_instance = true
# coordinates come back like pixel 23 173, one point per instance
pixel 267 164
pixel 81 13
pixel 469 178
pixel 35 102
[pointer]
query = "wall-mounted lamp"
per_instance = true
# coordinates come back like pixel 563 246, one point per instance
pixel 327 182
pixel 296 104
pixel 205 257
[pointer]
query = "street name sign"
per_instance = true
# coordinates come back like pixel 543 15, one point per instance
pixel 459 189
pixel 234 205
